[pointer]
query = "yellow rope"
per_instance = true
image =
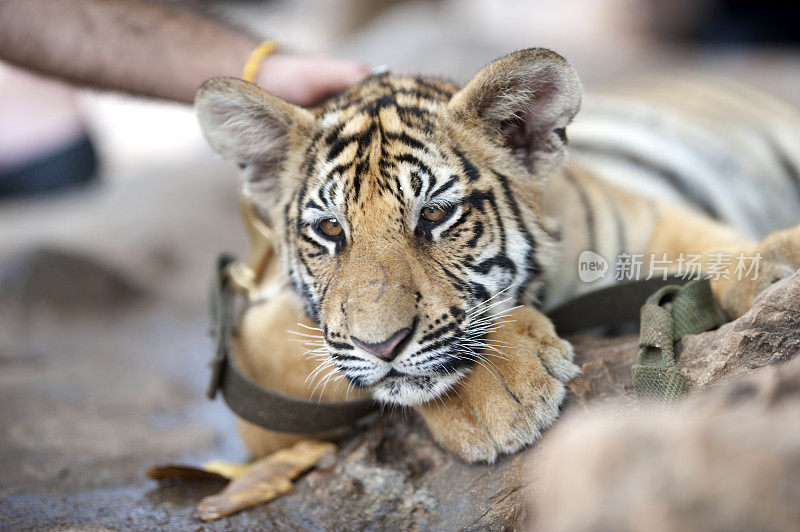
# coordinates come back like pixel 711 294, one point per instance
pixel 258 55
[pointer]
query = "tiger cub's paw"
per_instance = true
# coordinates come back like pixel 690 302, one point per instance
pixel 780 258
pixel 509 397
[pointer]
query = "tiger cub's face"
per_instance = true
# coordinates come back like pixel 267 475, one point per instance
pixel 408 209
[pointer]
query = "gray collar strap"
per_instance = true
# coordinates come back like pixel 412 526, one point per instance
pixel 610 306
pixel 613 305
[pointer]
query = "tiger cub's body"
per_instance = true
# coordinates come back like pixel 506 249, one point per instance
pixel 414 215
pixel 720 149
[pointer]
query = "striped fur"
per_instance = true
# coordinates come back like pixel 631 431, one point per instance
pixel 649 170
pixel 723 148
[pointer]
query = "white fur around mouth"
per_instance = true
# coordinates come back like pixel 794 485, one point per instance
pixel 410 390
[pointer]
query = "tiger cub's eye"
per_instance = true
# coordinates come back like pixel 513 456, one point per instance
pixel 433 213
pixel 331 227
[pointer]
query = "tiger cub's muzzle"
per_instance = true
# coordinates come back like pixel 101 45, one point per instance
pixel 381 317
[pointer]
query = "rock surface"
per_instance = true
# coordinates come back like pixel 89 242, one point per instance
pixel 727 459
pixel 766 335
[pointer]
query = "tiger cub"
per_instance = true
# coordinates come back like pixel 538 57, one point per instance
pixel 422 228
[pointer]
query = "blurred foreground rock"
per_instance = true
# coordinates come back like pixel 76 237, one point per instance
pixel 727 459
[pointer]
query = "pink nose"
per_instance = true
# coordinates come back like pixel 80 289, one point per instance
pixel 386 350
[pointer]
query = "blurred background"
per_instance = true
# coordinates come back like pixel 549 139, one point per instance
pixel 112 210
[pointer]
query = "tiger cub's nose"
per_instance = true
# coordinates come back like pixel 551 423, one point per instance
pixel 386 350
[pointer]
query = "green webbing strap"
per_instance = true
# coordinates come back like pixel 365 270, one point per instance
pixel 669 314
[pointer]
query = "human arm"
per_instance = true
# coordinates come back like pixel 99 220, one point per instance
pixel 147 49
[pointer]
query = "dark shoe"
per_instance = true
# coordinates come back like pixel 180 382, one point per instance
pixel 74 164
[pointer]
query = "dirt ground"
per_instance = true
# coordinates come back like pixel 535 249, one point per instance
pixel 103 301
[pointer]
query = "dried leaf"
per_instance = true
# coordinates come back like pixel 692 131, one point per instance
pixel 226 469
pixel 264 480
pixel 185 473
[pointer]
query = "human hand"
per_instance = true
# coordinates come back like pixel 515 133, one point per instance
pixel 305 80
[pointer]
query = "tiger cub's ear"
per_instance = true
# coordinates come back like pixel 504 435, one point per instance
pixel 246 124
pixel 525 100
